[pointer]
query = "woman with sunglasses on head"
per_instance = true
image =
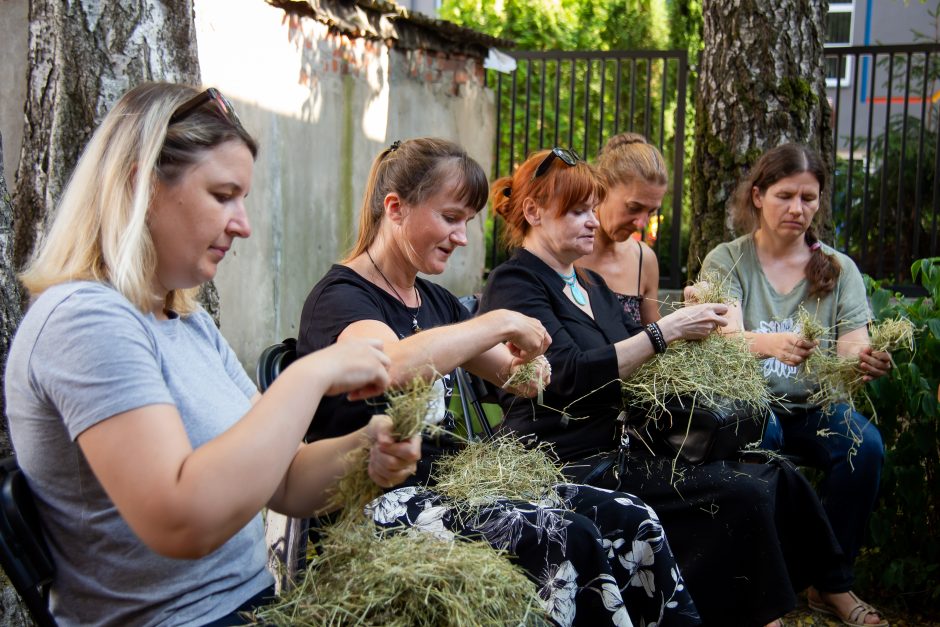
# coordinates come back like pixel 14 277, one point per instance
pixel 148 448
pixel 777 267
pixel 598 557
pixel 636 177
pixel 745 535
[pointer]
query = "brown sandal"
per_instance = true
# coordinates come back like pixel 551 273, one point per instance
pixel 856 616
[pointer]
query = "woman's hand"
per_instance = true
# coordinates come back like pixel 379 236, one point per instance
pixel 357 367
pixel 390 461
pixel 694 322
pixel 529 389
pixel 791 349
pixel 527 338
pixel 874 364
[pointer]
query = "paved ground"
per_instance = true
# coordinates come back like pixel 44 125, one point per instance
pixel 804 617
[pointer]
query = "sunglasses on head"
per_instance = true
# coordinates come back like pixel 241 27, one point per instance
pixel 568 156
pixel 222 106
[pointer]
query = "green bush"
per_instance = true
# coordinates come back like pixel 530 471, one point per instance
pixel 904 558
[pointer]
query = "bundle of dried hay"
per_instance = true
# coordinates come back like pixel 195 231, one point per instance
pixel 501 468
pixel 720 367
pixel 839 379
pixel 711 288
pixel 810 328
pixel 892 334
pixel 534 371
pixel 408 407
pixel 403 578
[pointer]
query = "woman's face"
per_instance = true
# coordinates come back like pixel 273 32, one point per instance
pixel 570 235
pixel 788 206
pixel 194 221
pixel 435 228
pixel 629 208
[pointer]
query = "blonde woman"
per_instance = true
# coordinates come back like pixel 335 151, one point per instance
pixel 636 177
pixel 148 448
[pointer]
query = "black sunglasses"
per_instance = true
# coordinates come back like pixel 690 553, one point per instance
pixel 568 156
pixel 222 106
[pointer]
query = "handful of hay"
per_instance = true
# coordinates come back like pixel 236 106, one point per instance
pixel 839 379
pixel 534 371
pixel 718 367
pixel 711 288
pixel 501 468
pixel 408 407
pixel 406 577
pixel 809 325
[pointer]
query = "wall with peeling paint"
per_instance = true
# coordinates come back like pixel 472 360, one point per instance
pixel 323 105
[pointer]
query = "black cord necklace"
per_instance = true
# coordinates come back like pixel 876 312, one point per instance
pixel 414 315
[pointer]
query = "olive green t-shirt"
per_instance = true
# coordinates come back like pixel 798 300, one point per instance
pixel 765 311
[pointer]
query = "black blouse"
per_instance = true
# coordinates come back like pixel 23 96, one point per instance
pixel 583 359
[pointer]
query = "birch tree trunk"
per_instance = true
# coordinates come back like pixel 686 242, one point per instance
pixel 761 83
pixel 82 57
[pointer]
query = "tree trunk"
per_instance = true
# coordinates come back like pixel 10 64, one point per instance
pixel 82 57
pixel 761 83
pixel 10 297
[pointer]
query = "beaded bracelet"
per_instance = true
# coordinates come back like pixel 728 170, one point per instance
pixel 656 337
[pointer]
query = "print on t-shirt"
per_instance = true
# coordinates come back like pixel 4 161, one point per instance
pixel 772 365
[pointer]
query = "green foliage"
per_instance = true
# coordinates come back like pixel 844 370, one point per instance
pixel 905 527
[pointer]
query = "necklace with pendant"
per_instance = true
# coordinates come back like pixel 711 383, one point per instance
pixel 571 280
pixel 415 327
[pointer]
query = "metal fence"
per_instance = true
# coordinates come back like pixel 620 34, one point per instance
pixel 886 188
pixel 886 192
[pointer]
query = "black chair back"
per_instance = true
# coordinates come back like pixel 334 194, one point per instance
pixel 24 555
pixel 273 361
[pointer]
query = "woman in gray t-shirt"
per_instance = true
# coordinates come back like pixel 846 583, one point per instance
pixel 773 270
pixel 148 448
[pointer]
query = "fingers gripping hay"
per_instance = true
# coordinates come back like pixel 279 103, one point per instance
pixel 409 408
pixel 501 468
pixel 406 578
pixel 710 370
pixel 711 288
pixel 839 379
pixel 535 371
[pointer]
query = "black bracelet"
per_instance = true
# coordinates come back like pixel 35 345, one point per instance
pixel 656 337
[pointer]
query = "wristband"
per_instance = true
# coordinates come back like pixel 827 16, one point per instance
pixel 655 335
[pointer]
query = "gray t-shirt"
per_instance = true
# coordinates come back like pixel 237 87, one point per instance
pixel 82 354
pixel 766 311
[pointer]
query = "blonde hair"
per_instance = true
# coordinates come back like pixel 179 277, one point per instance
pixel 627 157
pixel 100 230
pixel 415 169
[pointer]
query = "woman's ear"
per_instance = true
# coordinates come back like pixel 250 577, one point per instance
pixel 394 210
pixel 756 197
pixel 531 212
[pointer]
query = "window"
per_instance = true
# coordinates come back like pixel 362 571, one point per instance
pixel 839 26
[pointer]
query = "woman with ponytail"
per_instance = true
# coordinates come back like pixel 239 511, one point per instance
pixel 778 267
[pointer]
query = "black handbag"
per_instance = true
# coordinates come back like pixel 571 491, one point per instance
pixel 696 431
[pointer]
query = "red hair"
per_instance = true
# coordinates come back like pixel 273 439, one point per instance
pixel 560 188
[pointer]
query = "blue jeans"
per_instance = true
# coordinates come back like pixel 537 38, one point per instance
pixel 848 448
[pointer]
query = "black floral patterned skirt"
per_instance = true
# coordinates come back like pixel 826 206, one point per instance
pixel 598 557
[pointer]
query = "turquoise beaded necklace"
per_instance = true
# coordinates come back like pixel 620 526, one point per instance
pixel 571 280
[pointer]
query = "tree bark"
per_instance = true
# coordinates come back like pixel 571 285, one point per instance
pixel 82 57
pixel 10 297
pixel 761 83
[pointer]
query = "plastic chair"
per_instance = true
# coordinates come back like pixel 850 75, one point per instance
pixel 273 360
pixel 24 555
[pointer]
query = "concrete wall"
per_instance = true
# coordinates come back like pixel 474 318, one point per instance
pixel 323 106
pixel 14 25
